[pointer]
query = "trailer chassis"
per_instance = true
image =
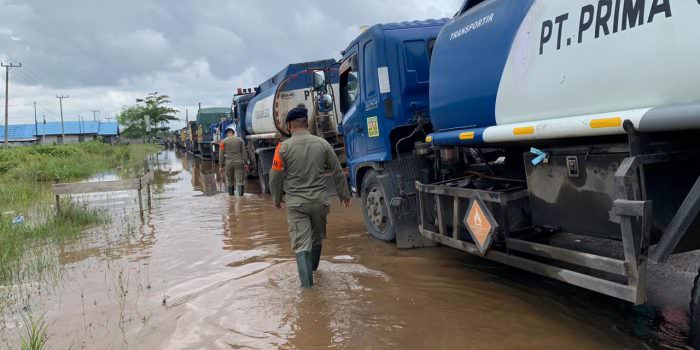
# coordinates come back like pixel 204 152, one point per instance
pixel 622 276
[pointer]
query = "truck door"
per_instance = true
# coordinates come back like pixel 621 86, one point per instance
pixel 349 106
pixel 372 109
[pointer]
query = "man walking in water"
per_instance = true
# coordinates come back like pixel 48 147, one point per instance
pixel 234 158
pixel 298 169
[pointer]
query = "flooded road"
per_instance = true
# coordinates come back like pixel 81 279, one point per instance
pixel 209 271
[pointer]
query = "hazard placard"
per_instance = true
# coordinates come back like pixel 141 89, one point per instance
pixel 480 224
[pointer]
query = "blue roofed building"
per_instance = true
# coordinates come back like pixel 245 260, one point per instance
pixel 52 132
pixel 21 134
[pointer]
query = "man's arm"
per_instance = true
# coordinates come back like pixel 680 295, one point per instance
pixel 277 177
pixel 221 153
pixel 244 150
pixel 333 164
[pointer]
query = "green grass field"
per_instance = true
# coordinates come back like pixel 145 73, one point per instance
pixel 26 174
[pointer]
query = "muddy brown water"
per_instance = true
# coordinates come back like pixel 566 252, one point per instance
pixel 206 271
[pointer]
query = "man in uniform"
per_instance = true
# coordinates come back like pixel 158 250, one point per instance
pixel 298 169
pixel 233 156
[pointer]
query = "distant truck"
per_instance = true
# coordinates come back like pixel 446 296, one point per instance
pixel 557 137
pixel 260 116
pixel 205 129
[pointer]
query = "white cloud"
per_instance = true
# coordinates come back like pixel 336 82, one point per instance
pixel 105 54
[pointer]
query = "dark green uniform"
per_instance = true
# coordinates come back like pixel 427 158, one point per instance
pixel 234 156
pixel 299 169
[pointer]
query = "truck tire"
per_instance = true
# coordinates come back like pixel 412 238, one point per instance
pixel 263 179
pixel 695 313
pixel 375 209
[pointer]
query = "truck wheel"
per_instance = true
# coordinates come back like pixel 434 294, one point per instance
pixel 375 209
pixel 695 313
pixel 263 179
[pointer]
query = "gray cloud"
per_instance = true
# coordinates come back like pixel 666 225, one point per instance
pixel 104 54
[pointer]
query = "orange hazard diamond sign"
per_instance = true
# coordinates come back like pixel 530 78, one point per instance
pixel 480 224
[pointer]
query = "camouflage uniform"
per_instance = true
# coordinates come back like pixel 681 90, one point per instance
pixel 234 156
pixel 298 170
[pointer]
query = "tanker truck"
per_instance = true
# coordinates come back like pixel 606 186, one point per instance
pixel 207 122
pixel 238 106
pixel 557 137
pixel 262 116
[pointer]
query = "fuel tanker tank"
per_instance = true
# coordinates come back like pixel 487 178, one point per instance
pixel 507 70
pixel 266 112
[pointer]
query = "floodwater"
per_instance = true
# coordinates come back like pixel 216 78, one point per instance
pixel 207 271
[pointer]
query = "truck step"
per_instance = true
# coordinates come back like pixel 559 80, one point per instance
pixel 576 250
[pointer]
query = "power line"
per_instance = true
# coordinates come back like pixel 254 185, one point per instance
pixel 7 91
pixel 35 76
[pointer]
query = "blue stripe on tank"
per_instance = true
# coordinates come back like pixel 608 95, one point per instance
pixel 468 61
pixel 447 138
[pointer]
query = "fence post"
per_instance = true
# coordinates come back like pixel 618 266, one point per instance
pixel 58 198
pixel 148 188
pixel 140 200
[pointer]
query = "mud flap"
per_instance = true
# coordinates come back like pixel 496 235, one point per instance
pixel 403 213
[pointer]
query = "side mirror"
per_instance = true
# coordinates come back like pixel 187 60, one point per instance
pixel 319 79
pixel 325 103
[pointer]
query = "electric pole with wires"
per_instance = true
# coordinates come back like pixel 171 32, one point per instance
pixel 60 102
pixel 94 114
pixel 7 88
pixel 36 123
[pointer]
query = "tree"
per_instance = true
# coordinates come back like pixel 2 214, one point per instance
pixel 159 113
pixel 132 120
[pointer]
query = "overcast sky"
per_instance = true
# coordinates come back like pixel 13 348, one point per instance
pixel 105 54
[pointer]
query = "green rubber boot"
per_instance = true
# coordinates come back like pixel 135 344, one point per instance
pixel 241 191
pixel 316 252
pixel 231 190
pixel 304 265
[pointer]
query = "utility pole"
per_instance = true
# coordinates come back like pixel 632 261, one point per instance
pixel 7 88
pixel 43 134
pixel 60 102
pixel 36 123
pixel 80 128
pixel 94 114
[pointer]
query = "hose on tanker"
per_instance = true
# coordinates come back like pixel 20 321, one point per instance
pixel 419 127
pixel 398 155
pixel 485 161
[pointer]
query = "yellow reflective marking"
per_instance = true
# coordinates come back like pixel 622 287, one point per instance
pixel 525 130
pixel 606 123
pixel 466 135
pixel 428 139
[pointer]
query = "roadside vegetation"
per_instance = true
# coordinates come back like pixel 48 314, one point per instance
pixel 35 336
pixel 26 174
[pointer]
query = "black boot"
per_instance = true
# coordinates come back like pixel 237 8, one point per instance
pixel 231 190
pixel 316 252
pixel 304 265
pixel 241 191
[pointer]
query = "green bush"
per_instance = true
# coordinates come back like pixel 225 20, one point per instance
pixel 26 174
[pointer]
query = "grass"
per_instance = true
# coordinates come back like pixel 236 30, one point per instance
pixel 26 174
pixel 36 336
pixel 22 247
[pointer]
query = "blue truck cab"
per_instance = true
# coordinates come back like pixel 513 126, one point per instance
pixel 384 85
pixel 384 88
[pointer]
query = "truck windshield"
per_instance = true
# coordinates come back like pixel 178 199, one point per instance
pixel 349 87
pixel 468 4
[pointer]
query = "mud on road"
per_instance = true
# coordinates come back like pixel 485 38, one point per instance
pixel 206 271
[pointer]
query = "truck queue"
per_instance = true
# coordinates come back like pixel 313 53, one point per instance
pixel 504 133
